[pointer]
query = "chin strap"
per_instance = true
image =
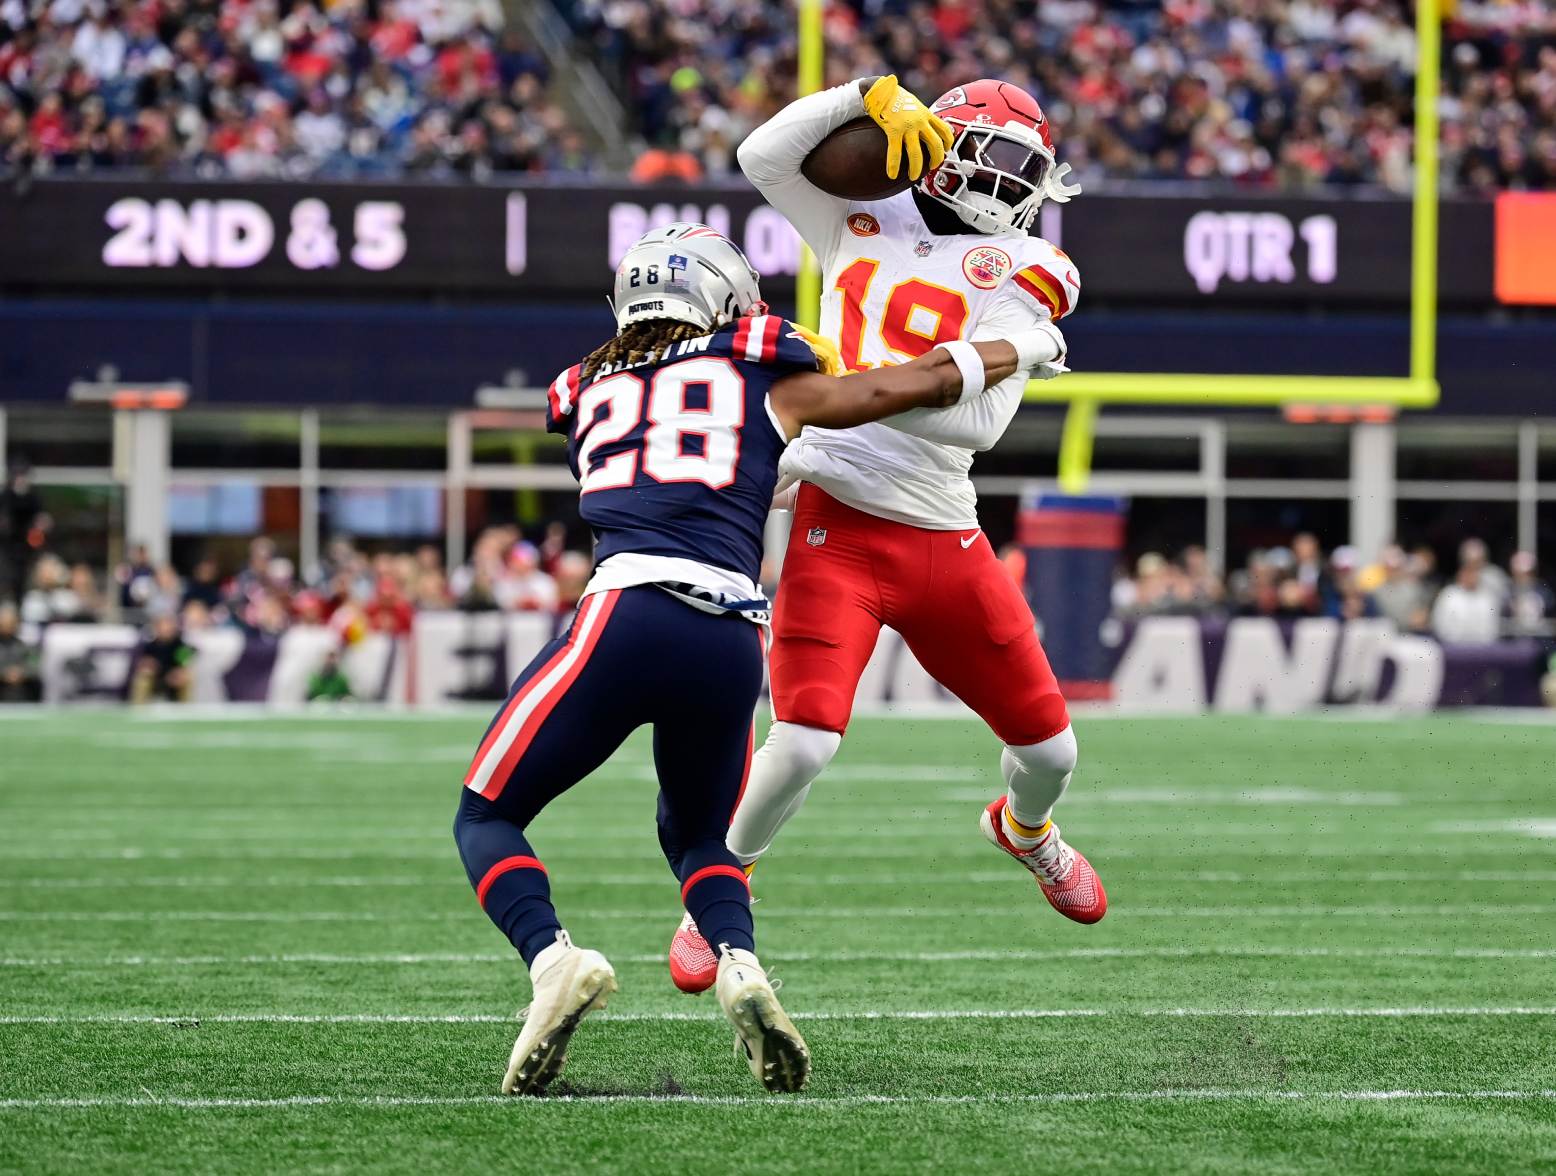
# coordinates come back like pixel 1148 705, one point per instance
pixel 1056 189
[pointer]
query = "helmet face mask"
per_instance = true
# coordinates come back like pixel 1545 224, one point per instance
pixel 1001 166
pixel 685 272
pixel 991 178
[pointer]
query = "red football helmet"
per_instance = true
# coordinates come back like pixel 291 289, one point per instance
pixel 1001 165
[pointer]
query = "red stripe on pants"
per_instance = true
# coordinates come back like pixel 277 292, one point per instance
pixel 507 711
pixel 541 713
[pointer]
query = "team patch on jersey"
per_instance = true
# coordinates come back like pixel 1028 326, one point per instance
pixel 985 266
pixel 816 536
pixel 862 224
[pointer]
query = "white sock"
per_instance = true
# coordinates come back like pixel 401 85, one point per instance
pixel 781 772
pixel 1036 776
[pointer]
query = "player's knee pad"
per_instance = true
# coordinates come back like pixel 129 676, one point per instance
pixel 473 808
pixel 1054 757
pixel 798 752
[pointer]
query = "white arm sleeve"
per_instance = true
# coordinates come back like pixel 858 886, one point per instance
pixel 772 154
pixel 981 421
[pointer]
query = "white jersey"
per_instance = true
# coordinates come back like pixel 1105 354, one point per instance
pixel 891 290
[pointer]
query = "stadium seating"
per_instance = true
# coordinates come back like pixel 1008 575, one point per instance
pixel 1267 93
pixel 266 89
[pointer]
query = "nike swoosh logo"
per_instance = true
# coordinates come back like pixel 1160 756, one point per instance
pixel 969 541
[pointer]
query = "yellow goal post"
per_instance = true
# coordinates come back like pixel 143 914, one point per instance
pixel 1086 392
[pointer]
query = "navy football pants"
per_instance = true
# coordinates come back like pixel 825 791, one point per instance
pixel 631 657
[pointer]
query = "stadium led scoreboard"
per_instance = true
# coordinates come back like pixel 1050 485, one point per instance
pixel 549 241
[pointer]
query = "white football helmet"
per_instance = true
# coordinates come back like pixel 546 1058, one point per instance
pixel 687 272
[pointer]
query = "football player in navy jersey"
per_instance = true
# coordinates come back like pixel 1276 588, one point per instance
pixel 674 429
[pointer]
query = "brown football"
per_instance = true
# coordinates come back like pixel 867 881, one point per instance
pixel 851 163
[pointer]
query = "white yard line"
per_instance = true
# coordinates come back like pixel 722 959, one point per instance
pixel 227 847
pixel 791 879
pixel 193 1019
pixel 1522 826
pixel 72 714
pixel 1380 911
pixel 993 955
pixel 1283 797
pixel 138 1102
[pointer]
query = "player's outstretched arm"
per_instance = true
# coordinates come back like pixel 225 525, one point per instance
pixel 941 377
pixel 980 422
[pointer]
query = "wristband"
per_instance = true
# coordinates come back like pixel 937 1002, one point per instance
pixel 970 364
pixel 1042 344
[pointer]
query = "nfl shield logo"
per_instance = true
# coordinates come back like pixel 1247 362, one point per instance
pixel 816 536
pixel 923 248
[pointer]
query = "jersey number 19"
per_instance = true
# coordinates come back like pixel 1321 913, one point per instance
pixel 904 317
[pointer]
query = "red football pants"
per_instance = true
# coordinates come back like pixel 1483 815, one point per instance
pixel 847 573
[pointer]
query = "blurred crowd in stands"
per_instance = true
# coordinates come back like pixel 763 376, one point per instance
pixel 276 88
pixel 1477 603
pixel 1267 93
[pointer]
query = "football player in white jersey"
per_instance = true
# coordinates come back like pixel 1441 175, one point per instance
pixel 886 528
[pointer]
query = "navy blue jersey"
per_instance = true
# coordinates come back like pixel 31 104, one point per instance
pixel 679 457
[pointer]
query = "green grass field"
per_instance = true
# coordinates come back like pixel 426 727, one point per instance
pixel 248 946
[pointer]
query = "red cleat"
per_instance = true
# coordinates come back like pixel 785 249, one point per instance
pixel 693 966
pixel 1063 874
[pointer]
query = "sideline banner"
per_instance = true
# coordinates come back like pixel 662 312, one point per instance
pixel 1176 664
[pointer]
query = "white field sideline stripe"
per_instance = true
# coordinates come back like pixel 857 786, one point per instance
pixel 537 691
pixel 228 848
pixel 138 1102
pixel 716 1018
pixel 657 878
pixel 1500 911
pixel 1093 712
pixel 992 955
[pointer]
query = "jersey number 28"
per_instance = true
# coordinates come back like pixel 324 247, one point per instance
pixel 663 405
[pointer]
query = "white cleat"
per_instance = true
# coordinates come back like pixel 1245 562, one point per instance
pixel 572 982
pixel 763 1032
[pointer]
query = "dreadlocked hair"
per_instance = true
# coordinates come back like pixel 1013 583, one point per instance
pixel 639 342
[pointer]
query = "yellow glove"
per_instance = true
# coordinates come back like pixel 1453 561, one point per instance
pixel 908 121
pixel 829 361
